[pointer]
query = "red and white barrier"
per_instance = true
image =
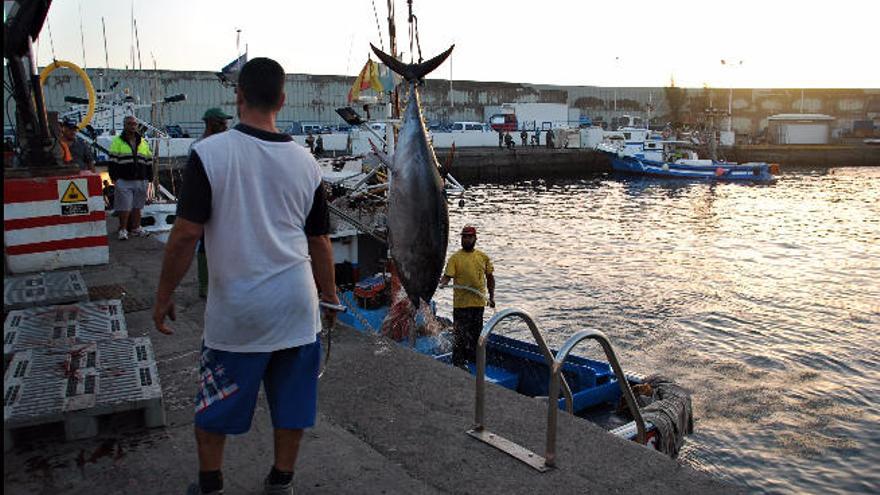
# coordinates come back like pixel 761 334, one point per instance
pixel 54 222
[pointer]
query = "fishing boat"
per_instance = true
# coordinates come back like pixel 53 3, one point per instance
pixel 111 108
pixel 678 160
pixel 652 411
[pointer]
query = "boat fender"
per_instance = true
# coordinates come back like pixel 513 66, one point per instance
pixel 774 168
pixel 666 167
pixel 719 172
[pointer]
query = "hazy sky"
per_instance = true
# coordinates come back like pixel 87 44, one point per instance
pixel 781 43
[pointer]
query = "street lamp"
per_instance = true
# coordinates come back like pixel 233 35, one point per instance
pixel 730 94
pixel 616 73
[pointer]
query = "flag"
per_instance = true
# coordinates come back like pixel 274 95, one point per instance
pixel 366 79
pixel 375 83
pixel 229 73
pixel 387 77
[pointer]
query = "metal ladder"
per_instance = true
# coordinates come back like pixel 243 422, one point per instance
pixel 479 430
pixel 557 379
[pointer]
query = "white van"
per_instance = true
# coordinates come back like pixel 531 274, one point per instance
pixel 468 126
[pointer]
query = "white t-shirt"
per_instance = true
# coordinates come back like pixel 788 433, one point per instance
pixel 263 196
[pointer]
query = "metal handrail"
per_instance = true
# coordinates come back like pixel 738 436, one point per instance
pixel 357 223
pixel 556 373
pixel 480 410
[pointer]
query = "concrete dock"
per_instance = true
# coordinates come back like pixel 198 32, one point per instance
pixel 390 422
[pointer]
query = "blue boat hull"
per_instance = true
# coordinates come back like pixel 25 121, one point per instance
pixel 520 366
pixel 720 171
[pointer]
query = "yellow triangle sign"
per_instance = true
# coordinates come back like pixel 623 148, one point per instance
pixel 73 195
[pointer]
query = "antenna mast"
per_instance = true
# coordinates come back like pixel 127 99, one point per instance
pixel 82 36
pixel 106 56
pixel 138 41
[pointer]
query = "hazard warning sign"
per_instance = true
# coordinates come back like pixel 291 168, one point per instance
pixel 72 196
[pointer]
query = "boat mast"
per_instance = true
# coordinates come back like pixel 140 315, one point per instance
pixel 393 107
pixel 82 36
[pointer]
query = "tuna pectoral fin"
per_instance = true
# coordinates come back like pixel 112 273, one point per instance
pixel 411 72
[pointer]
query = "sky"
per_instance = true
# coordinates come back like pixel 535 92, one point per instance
pixel 765 43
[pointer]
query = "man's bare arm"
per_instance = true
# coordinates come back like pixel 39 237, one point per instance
pixel 179 251
pixel 321 252
pixel 490 284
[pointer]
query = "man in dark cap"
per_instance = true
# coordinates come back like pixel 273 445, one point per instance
pixel 80 152
pixel 472 271
pixel 216 121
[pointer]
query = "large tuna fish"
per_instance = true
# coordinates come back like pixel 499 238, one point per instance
pixel 418 221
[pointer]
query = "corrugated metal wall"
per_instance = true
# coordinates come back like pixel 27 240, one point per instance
pixel 314 98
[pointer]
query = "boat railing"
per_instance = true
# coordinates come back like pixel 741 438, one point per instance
pixel 556 377
pixel 479 430
pixel 357 224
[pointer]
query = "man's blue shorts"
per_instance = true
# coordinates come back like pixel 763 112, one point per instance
pixel 230 382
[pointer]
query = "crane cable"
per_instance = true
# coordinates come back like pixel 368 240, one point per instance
pixel 378 26
pixel 414 32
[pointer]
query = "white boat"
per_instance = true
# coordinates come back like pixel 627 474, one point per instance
pixel 111 109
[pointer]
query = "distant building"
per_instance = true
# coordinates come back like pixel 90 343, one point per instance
pixel 799 128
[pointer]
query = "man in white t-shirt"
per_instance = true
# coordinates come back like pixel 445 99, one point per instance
pixel 257 198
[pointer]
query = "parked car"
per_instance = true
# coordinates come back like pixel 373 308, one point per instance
pixel 468 126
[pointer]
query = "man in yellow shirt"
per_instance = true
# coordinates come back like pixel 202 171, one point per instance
pixel 472 270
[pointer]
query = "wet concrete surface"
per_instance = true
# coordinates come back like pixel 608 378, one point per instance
pixel 390 422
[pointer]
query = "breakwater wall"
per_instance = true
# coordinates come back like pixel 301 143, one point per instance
pixel 488 164
pixel 807 155
pixel 492 164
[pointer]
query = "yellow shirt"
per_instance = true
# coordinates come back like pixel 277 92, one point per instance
pixel 468 269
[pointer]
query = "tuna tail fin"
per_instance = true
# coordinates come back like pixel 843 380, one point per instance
pixel 411 72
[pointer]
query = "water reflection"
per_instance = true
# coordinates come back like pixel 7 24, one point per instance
pixel 763 300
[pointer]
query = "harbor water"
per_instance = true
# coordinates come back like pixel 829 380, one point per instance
pixel 764 301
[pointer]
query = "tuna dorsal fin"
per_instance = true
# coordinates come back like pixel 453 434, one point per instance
pixel 411 72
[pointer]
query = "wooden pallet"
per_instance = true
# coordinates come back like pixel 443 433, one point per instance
pixel 76 386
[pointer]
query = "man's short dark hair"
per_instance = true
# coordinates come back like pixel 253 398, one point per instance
pixel 261 81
